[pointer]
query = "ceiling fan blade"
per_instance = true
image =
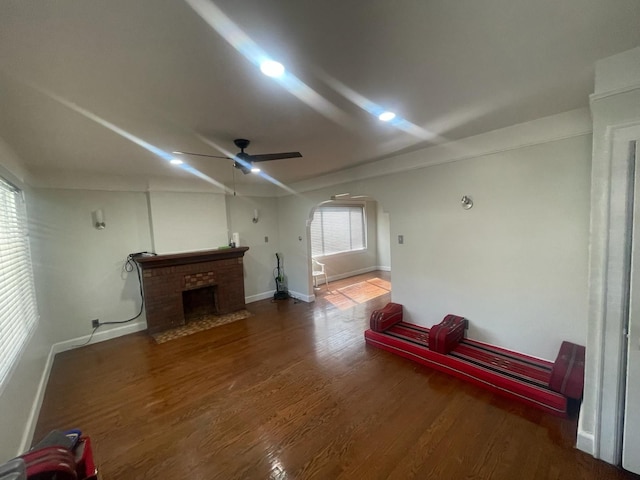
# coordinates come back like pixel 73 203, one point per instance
pixel 274 156
pixel 200 155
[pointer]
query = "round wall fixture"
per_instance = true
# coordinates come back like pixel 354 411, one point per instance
pixel 466 202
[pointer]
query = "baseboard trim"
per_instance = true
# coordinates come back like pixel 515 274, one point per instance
pixel 268 295
pixel 353 273
pixel 34 414
pixel 585 442
pixel 99 337
pixel 302 297
pixel 259 296
pixel 383 269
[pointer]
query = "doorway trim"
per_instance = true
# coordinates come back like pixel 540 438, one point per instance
pixel 609 269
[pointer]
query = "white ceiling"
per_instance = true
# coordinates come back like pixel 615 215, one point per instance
pixel 78 77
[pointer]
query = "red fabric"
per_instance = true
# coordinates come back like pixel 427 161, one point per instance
pixel 61 463
pixel 50 462
pixel 385 317
pixel 507 373
pixel 85 464
pixel 446 335
pixel 567 375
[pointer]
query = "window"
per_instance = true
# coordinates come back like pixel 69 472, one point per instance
pixel 337 229
pixel 18 312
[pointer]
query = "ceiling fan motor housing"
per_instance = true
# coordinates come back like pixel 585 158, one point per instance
pixel 241 143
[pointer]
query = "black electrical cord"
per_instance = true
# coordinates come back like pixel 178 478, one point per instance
pixel 129 265
pixel 90 337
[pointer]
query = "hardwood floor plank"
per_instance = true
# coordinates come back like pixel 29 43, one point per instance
pixel 293 392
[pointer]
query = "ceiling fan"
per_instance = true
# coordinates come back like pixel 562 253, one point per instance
pixel 243 161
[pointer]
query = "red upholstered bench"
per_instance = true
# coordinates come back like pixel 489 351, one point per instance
pixel 536 382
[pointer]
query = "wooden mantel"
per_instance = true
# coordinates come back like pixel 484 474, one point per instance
pixel 189 257
pixel 166 277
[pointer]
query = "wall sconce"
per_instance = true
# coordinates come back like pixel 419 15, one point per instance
pixel 255 216
pixel 466 202
pixel 98 219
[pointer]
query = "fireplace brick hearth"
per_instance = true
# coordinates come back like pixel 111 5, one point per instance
pixel 165 277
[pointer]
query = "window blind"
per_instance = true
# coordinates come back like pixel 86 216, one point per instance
pixel 18 310
pixel 337 229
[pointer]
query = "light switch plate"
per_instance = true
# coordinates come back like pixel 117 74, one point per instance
pixel 401 239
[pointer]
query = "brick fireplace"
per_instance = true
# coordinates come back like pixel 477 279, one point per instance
pixel 184 286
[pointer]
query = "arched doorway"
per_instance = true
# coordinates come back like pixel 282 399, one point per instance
pixel 349 251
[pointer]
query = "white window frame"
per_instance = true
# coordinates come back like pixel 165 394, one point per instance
pixel 18 307
pixel 360 206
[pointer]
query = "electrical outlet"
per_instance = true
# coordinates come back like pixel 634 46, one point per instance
pixel 95 323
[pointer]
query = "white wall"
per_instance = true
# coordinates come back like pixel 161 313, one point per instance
pixel 18 395
pixel 295 244
pixel 344 265
pixel 515 265
pixel 260 259
pixel 79 269
pixel 185 221
pixel 384 238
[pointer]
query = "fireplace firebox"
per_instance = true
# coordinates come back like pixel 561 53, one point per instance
pixel 199 303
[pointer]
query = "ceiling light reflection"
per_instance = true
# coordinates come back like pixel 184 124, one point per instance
pixel 375 109
pixel 233 34
pixel 272 68
pixel 386 116
pixel 129 136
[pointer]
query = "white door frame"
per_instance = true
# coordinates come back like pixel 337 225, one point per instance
pixel 609 274
pixel 631 423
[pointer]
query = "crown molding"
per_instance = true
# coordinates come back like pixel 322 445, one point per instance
pixel 594 97
pixel 74 180
pixel 543 130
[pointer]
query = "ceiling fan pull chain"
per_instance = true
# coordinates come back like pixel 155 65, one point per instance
pixel 233 176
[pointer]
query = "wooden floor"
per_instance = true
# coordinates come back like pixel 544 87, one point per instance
pixel 293 392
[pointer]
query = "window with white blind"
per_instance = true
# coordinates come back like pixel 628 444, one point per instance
pixel 18 311
pixel 338 229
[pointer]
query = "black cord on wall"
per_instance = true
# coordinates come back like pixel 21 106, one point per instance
pixel 129 265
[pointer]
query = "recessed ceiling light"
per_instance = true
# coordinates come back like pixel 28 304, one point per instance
pixel 272 68
pixel 255 170
pixel 387 116
pixel 176 161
